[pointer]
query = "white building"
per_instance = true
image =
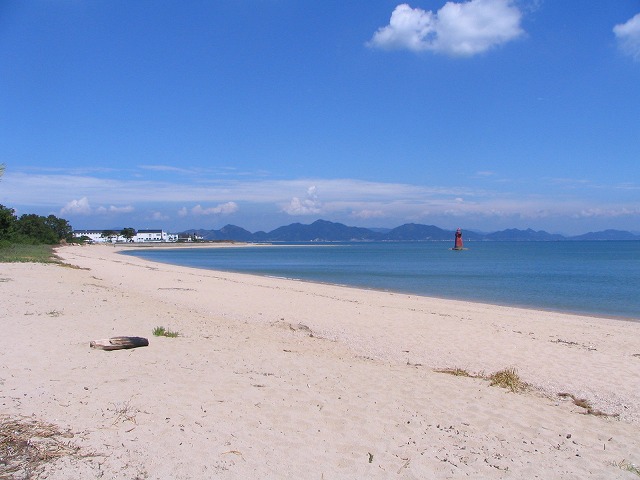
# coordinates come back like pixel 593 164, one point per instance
pixel 95 236
pixel 149 236
pixel 142 236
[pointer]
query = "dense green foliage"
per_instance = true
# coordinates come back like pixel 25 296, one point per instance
pixel 32 229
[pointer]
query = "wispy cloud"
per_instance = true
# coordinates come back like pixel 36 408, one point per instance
pixel 167 168
pixel 367 214
pixel 222 209
pixel 328 198
pixel 457 29
pixel 114 209
pixel 628 35
pixel 82 207
pixel 608 212
pixel 159 216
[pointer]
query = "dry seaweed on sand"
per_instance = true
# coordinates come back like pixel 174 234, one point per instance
pixel 455 371
pixel 584 403
pixel 28 445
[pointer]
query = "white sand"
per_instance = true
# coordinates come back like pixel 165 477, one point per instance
pixel 246 392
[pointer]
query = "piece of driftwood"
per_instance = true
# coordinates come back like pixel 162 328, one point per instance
pixel 119 343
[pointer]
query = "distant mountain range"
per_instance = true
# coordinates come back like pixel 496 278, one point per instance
pixel 322 230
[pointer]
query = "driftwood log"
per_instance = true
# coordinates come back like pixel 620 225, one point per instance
pixel 119 343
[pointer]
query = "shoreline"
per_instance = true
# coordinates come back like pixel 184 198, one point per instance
pixel 274 378
pixel 624 318
pixel 335 291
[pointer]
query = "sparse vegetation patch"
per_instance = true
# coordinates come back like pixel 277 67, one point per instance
pixel 13 253
pixel 163 332
pixel 629 467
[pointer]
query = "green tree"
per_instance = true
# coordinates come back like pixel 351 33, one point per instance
pixel 31 228
pixel 60 227
pixel 109 234
pixel 7 222
pixel 34 229
pixel 128 233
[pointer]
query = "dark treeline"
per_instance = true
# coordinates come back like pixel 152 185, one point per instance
pixel 32 229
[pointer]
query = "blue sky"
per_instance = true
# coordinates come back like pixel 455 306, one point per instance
pixel 486 114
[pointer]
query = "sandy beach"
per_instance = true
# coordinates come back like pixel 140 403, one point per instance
pixel 271 378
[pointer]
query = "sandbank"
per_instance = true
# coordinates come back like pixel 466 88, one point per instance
pixel 273 378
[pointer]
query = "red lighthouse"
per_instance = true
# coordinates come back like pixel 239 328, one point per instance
pixel 458 244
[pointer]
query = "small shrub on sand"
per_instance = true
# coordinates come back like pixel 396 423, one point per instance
pixel 508 378
pixel 163 332
pixel 629 467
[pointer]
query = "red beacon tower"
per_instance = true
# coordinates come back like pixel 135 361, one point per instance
pixel 458 243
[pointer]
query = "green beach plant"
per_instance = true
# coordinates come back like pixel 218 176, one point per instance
pixel 163 332
pixel 628 467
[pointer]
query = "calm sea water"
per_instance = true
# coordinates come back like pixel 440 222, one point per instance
pixel 601 278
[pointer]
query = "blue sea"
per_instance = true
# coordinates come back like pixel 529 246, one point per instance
pixel 596 278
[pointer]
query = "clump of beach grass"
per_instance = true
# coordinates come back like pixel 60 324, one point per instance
pixel 163 332
pixel 508 378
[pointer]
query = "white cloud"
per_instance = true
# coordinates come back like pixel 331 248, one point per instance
pixel 222 209
pixel 113 209
pixel 77 207
pixel 307 206
pixel 341 198
pixel 458 29
pixel 82 207
pixel 628 35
